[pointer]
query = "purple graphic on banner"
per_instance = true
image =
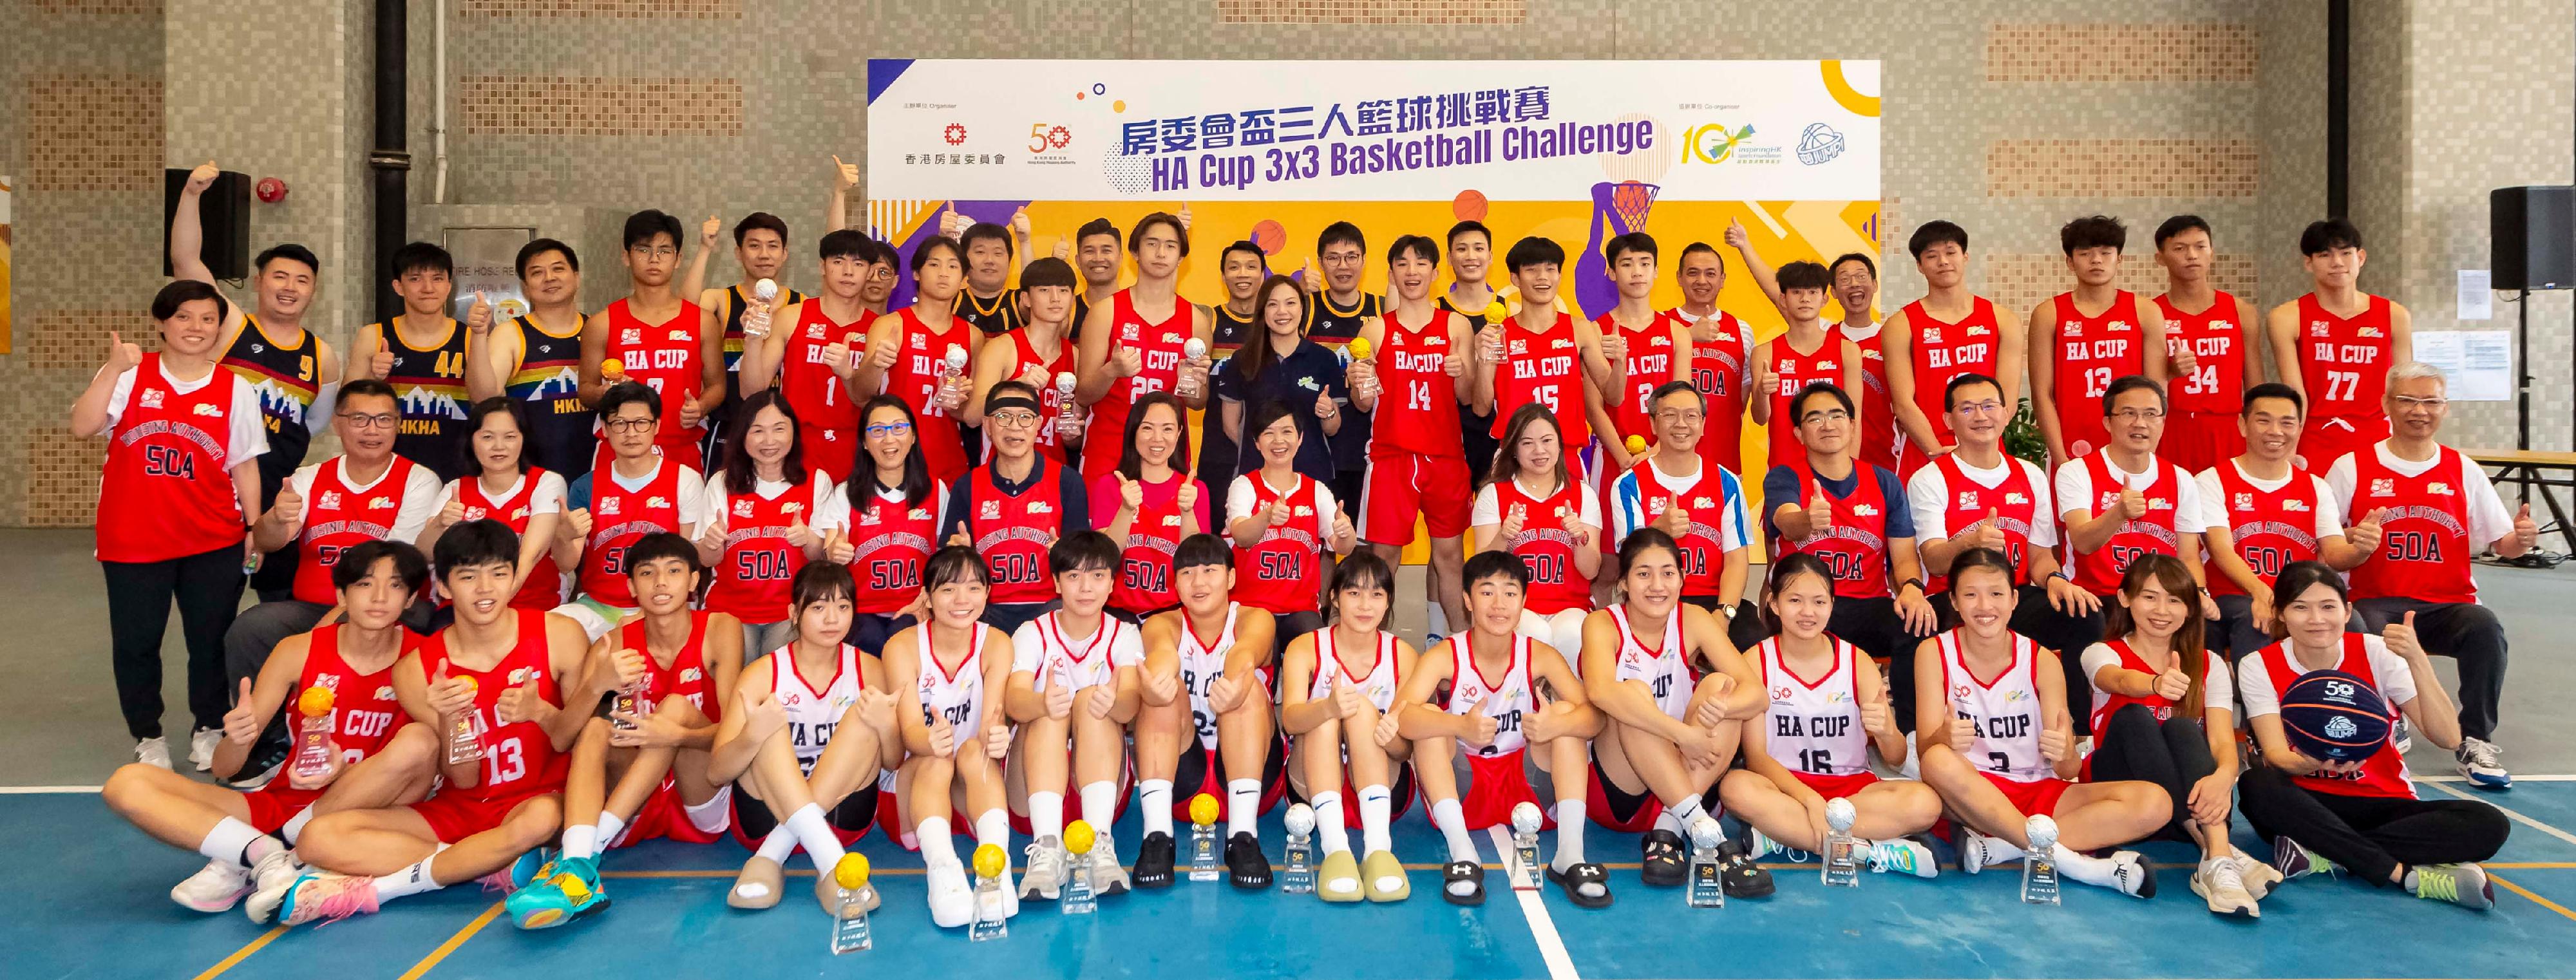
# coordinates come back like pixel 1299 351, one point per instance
pixel 997 212
pixel 1623 206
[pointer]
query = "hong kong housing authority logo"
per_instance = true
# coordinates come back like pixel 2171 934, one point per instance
pixel 1818 144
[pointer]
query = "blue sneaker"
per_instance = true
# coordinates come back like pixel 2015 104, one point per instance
pixel 571 892
pixel 2483 763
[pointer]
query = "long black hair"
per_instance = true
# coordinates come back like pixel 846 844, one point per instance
pixel 1131 462
pixel 1255 355
pixel 916 486
pixel 741 475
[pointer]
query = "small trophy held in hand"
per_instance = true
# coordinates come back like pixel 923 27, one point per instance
pixel 465 734
pixel 1186 385
pixel 313 737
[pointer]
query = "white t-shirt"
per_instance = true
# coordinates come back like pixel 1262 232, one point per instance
pixel 714 499
pixel 1489 510
pixel 2075 492
pixel 834 514
pixel 692 490
pixel 1238 501
pixel 547 499
pixel 2213 499
pixel 2489 522
pixel 2396 680
pixel 247 436
pixel 1927 496
pixel 423 495
pixel 2218 687
pixel 1627 512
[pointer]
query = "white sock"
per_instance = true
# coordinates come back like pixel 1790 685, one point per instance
pixel 295 825
pixel 778 846
pixel 1242 807
pixel 1154 796
pixel 227 841
pixel 1374 804
pixel 409 881
pixel 1046 815
pixel 1438 618
pixel 936 849
pixel 580 841
pixel 1328 823
pixel 815 833
pixel 1100 807
pixel 1569 834
pixel 1999 850
pixel 1452 822
pixel 610 826
pixel 1684 813
pixel 994 827
pixel 1667 820
pixel 2084 868
pixel 260 848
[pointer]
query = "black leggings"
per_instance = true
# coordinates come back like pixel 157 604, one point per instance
pixel 2370 835
pixel 2173 754
pixel 207 588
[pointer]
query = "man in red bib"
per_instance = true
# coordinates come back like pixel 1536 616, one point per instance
pixel 2100 332
pixel 2344 341
pixel 1948 333
pixel 2209 347
pixel 639 492
pixel 2264 512
pixel 1977 496
pixel 1851 281
pixel 1721 356
pixel 1805 354
pixel 1658 349
pixel 2421 511
pixel 1014 509
pixel 1547 357
pixel 806 348
pixel 1853 515
pixel 1138 342
pixel 2124 501
pixel 925 355
pixel 655 337
pixel 1417 467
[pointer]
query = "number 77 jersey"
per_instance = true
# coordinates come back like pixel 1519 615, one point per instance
pixel 2344 361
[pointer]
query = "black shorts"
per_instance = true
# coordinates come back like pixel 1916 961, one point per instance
pixel 850 820
pixel 1620 808
pixel 870 631
pixel 1200 771
pixel 1010 616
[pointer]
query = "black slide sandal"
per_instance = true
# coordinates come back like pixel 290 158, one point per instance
pixel 1572 880
pixel 1468 871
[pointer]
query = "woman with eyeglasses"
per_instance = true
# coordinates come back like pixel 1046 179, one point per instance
pixel 500 484
pixel 761 512
pixel 884 523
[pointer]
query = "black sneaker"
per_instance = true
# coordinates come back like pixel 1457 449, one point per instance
pixel 1664 865
pixel 1154 861
pixel 1245 863
pixel 1738 876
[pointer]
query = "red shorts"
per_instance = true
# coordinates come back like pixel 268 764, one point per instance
pixel 1126 792
pixel 665 815
pixel 1202 771
pixel 1836 787
pixel 2082 422
pixel 2328 439
pixel 2035 798
pixel 1401 485
pixel 2197 441
pixel 832 451
pixel 1496 784
pixel 276 803
pixel 1909 458
pixel 454 816
pixel 1614 810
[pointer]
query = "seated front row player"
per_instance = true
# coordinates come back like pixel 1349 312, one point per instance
pixel 1337 698
pixel 1205 726
pixel 514 674
pixel 641 772
pixel 1488 694
pixel 948 674
pixel 1072 692
pixel 245 836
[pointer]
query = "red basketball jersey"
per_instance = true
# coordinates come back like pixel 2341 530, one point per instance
pixel 1014 535
pixel 753 573
pixel 2383 774
pixel 1878 419
pixel 364 710
pixel 1158 343
pixel 1856 546
pixel 823 405
pixel 1543 366
pixel 167 491
pixel 2424 545
pixel 1284 571
pixel 1945 350
pixel 686 675
pixel 2092 351
pixel 2015 504
pixel 1050 398
pixel 620 517
pixel 1797 371
pixel 664 357
pixel 518 759
pixel 890 539
pixel 1543 545
pixel 1153 537
pixel 1650 365
pixel 2271 528
pixel 2216 339
pixel 1417 404
pixel 338 517
pixel 2344 362
pixel 921 360
pixel 2099 571
pixel 1721 367
pixel 543 588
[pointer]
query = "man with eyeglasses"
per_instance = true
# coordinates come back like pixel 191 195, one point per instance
pixel 658 339
pixel 1974 495
pixel 640 491
pixel 1829 503
pixel 1676 489
pixel 1014 508
pixel 2122 501
pixel 2421 510
pixel 364 494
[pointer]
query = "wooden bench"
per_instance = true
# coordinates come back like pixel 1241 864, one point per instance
pixel 2534 469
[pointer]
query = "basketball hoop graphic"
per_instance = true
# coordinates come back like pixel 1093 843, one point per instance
pixel 1630 200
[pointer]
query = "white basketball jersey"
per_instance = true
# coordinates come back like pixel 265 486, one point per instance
pixel 1661 669
pixel 2004 712
pixel 1815 728
pixel 1083 663
pixel 1201 664
pixel 1377 683
pixel 1469 689
pixel 812 713
pixel 958 696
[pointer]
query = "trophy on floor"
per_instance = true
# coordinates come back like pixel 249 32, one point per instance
pixel 1203 866
pixel 1526 820
pixel 850 911
pixel 1707 874
pixel 1079 838
pixel 1842 853
pixel 2039 862
pixel 1299 878
pixel 991 920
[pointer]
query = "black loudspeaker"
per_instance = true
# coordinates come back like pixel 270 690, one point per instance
pixel 2533 237
pixel 223 212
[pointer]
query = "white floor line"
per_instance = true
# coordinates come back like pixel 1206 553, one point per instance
pixel 29 790
pixel 2489 799
pixel 2519 778
pixel 1551 947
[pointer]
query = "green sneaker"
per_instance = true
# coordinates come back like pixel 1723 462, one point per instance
pixel 2464 885
pixel 571 892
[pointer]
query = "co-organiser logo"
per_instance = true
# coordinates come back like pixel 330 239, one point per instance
pixel 1715 143
pixel 1818 144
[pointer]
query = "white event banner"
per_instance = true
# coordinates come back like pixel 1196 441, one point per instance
pixel 1371 130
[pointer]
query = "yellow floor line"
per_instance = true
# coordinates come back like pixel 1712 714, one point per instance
pixel 2526 893
pixel 435 955
pixel 243 953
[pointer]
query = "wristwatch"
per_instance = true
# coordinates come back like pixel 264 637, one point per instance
pixel 1915 582
pixel 1728 610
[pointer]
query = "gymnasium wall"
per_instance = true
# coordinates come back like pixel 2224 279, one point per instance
pixel 2007 116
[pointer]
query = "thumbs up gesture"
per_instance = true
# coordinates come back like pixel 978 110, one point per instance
pixel 1347 699
pixel 2172 684
pixel 1020 223
pixel 1575 529
pixel 1877 718
pixel 2056 739
pixel 800 535
pixel 202 177
pixel 960 537
pixel 1675 520
pixel 1035 375
pixel 1325 407
pixel 2400 637
pixel 1820 514
pixel 1963 735
pixel 1185 217
pixel 1278 512
pixel 1226 693
pixel 943 736
pixel 1487 725
pixel 881 352
pixel 381 362
pixel 1189 496
pixel 1766 381
pixel 521 703
pixel 2133 505
pixel 836 355
pixel 453 514
pixel 708 230
pixel 951 224
pixel 1736 238
pixel 450 697
pixel 2184 363
pixel 478 317
pixel 1309 278
pixel 241 724
pixel 1126 361
pixel 1059 698
pixel 122 356
pixel 762 715
pixel 712 533
pixel 288 511
pixel 1614 348
pixel 1101 699
pixel 1342 529
pixel 1131 494
pixel 1063 247
pixel 1389 729
pixel 1513 521
pixel 2365 535
pixel 838 549
pixel 844 175
pixel 1162 688
pixel 576 524
pixel 1987 533
pixel 2525 530
pixel 875 709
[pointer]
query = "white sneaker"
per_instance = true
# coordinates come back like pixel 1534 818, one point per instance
pixel 1979 851
pixel 1108 877
pixel 2259 877
pixel 214 888
pixel 1904 855
pixel 271 877
pixel 2482 762
pixel 952 898
pixel 154 751
pixel 1044 877
pixel 201 748
pixel 2222 882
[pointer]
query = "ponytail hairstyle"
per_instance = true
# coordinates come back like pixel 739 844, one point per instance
pixel 1783 569
pixel 2175 578
pixel 1986 558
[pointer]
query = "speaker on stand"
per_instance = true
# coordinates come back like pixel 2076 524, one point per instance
pixel 2532 247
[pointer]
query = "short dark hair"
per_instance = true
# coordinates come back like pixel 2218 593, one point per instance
pixel 1864 260
pixel 1363 568
pixel 1671 388
pixel 1965 379
pixel 1643 540
pixel 985 230
pixel 1243 245
pixel 1804 275
pixel 289 251
pixel 759 220
pixel 1534 250
pixel 2273 389
pixel 1933 233
pixel 2320 237
pixel 659 545
pixel 643 225
pixel 2127 383
pixel 422 257
pixel 495 405
pixel 822 581
pixel 2093 231
pixel 1160 218
pixel 847 243
pixel 619 394
pixel 1340 232
pixel 1421 246
pixel 181 292
pixel 2181 223
pixel 1049 271
pixel 529 252
pixel 1202 549
pixel 1096 226
pixel 1787 567
pixel 361 558
pixel 365 388
pixel 1265 413
pixel 1082 551
pixel 1494 564
pixel 1013 386
pixel 1464 228
pixel 1798 402
pixel 1703 248
pixel 954 563
pixel 475 544
pixel 1986 558
pixel 921 252
pixel 2299 576
pixel 1635 241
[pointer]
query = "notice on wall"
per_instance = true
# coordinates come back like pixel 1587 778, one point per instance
pixel 2477 294
pixel 2478 363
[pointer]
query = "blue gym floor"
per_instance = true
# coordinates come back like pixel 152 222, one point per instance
pixel 84 896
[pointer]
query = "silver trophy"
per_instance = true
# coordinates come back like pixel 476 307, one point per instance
pixel 1203 865
pixel 1077 898
pixel 850 910
pixel 1707 876
pixel 1299 877
pixel 991 920
pixel 1526 820
pixel 2039 862
pixel 1184 384
pixel 1842 853
pixel 465 734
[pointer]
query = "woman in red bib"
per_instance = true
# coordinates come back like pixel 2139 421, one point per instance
pixel 501 485
pixel 762 508
pixel 1148 505
pixel 1281 522
pixel 884 523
